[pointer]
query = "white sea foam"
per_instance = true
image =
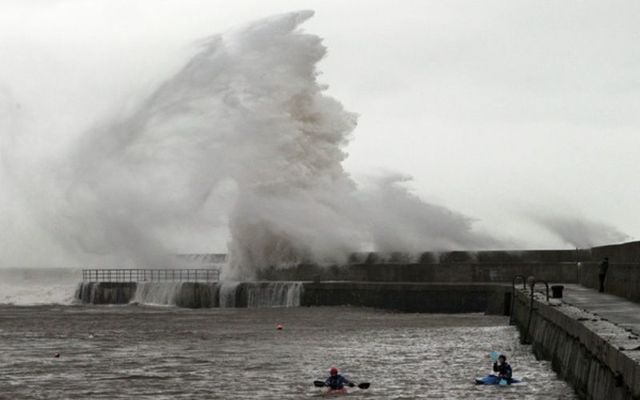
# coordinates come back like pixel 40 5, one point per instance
pixel 21 286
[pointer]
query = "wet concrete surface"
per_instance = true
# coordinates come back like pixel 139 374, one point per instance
pixel 614 309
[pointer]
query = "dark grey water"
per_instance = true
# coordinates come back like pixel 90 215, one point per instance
pixel 123 352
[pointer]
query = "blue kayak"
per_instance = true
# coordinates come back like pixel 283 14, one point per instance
pixel 494 380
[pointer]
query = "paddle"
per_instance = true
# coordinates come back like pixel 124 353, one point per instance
pixel 363 385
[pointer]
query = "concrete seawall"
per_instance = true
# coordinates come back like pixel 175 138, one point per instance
pixel 189 295
pixel 106 292
pixel 411 297
pixel 601 360
pixel 623 279
pixel 625 253
pixel 400 296
pixel 450 273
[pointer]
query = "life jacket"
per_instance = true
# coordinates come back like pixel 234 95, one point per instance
pixel 503 369
pixel 336 382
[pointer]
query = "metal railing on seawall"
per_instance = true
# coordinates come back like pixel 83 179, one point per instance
pixel 150 275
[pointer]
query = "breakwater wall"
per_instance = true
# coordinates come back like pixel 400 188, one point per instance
pixel 411 297
pixel 561 266
pixel 408 297
pixel 443 273
pixel 192 294
pixel 623 276
pixel 620 253
pixel 601 360
pixel 622 279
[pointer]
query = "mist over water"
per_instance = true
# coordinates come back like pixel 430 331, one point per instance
pixel 242 142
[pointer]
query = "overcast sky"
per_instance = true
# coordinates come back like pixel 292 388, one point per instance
pixel 501 110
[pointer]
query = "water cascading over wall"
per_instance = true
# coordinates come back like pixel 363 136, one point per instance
pixel 165 293
pixel 228 294
pixel 193 294
pixel 274 294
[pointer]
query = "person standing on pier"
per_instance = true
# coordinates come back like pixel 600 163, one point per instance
pixel 602 272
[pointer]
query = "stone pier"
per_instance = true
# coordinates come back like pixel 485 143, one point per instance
pixel 590 338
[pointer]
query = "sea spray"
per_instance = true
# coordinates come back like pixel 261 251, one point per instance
pixel 578 231
pixel 21 286
pixel 242 140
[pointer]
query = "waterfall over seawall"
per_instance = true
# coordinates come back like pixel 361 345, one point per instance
pixel 274 294
pixel 157 293
pixel 105 292
pixel 260 294
pixel 193 294
pixel 227 294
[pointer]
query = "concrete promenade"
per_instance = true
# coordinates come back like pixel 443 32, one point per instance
pixel 608 307
pixel 590 338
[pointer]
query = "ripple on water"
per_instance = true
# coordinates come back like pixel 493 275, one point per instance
pixel 159 353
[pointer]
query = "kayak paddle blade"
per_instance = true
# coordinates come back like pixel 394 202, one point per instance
pixel 364 385
pixel 494 355
pixel 318 383
pixel 503 382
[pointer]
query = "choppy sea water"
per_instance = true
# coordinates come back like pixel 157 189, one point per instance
pixel 124 352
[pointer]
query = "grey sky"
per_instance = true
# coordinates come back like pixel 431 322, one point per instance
pixel 498 109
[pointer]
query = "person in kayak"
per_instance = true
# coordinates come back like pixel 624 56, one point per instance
pixel 502 367
pixel 337 381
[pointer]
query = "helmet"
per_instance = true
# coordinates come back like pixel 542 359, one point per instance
pixel 333 371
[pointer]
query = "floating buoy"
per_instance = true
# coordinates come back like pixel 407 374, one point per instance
pixel 57 355
pixel 279 327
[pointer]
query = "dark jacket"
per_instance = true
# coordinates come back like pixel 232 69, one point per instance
pixel 337 382
pixel 503 370
pixel 604 266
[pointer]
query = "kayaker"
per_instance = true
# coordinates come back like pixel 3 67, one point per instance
pixel 502 367
pixel 337 381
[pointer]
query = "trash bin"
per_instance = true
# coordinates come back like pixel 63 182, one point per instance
pixel 556 291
